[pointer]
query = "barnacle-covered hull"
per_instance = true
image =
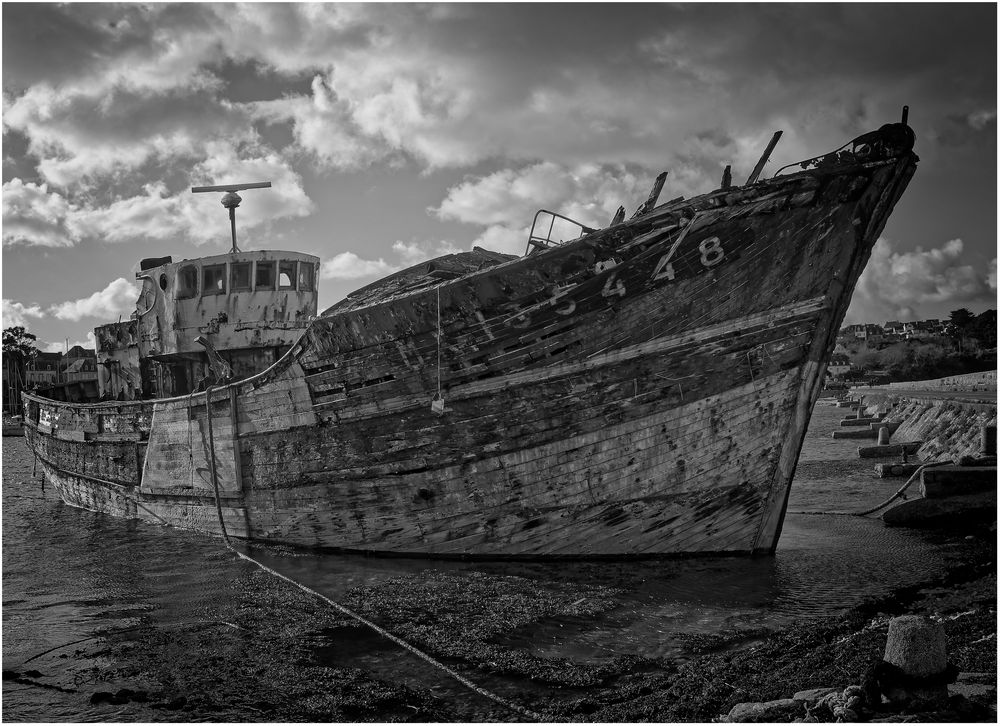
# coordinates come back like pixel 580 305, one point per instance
pixel 642 390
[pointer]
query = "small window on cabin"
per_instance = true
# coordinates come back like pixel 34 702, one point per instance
pixel 213 280
pixel 187 282
pixel 265 276
pixel 286 276
pixel 240 276
pixel 307 275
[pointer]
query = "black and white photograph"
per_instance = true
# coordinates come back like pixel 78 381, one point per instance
pixel 499 362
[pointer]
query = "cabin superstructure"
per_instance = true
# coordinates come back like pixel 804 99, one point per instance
pixel 249 306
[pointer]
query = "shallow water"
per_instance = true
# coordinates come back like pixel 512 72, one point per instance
pixel 70 575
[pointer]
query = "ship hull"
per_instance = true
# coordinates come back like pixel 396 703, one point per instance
pixel 642 391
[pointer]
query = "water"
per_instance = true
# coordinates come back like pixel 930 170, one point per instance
pixel 70 576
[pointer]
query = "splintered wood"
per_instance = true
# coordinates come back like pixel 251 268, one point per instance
pixel 642 390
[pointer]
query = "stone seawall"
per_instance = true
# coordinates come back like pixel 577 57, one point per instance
pixel 949 429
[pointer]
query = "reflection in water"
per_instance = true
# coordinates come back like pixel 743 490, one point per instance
pixel 69 575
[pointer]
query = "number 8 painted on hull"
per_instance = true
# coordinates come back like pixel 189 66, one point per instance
pixel 711 251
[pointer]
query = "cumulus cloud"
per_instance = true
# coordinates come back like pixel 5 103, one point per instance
pixel 895 285
pixel 118 298
pixel 90 344
pixel 412 253
pixel 32 215
pixel 79 138
pixel 349 266
pixel 979 120
pixel 17 314
pixel 505 202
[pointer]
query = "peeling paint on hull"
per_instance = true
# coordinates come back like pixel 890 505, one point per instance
pixel 641 391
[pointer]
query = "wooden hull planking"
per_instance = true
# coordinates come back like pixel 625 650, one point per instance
pixel 641 391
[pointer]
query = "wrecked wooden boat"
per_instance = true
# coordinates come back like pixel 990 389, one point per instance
pixel 642 389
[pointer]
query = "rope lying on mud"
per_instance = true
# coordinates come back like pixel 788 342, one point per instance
pixel 890 500
pixel 527 713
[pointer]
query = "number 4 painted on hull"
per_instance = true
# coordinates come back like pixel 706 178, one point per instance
pixel 613 286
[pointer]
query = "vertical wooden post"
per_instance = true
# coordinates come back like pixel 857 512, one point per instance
pixel 234 418
pixel 764 157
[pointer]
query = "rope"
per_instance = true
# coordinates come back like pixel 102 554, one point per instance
pixel 399 641
pixel 342 608
pixel 902 489
pixel 887 502
pixel 215 477
pixel 439 341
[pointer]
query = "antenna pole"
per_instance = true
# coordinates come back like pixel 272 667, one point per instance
pixel 231 200
pixel 232 224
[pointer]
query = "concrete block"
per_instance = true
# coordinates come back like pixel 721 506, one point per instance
pixel 989 439
pixel 855 434
pixel 916 645
pixel 885 452
pixel 947 481
pixel 859 421
pixel 891 425
pixel 948 513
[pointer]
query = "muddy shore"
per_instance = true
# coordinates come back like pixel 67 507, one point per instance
pixel 274 653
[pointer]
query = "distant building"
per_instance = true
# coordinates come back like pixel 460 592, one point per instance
pixel 44 370
pixel 838 365
pixel 81 369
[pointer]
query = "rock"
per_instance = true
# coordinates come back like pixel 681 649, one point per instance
pixel 845 715
pixel 784 709
pixel 916 645
pixel 855 703
pixel 812 695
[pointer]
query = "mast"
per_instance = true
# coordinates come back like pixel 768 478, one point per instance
pixel 231 200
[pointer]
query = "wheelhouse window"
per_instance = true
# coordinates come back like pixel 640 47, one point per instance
pixel 286 276
pixel 265 276
pixel 213 280
pixel 307 276
pixel 187 282
pixel 239 276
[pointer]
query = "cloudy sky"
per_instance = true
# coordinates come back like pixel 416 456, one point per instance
pixel 392 133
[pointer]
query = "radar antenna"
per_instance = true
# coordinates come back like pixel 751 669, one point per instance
pixel 231 200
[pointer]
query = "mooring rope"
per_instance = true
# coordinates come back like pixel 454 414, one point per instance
pixel 439 342
pixel 887 502
pixel 529 714
pixel 916 474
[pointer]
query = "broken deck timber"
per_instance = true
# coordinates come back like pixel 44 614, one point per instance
pixel 641 390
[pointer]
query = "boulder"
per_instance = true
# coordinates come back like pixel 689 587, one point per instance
pixel 812 695
pixel 916 645
pixel 784 709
